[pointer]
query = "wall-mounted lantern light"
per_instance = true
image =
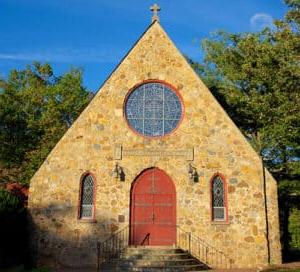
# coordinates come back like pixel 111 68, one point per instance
pixel 118 172
pixel 193 175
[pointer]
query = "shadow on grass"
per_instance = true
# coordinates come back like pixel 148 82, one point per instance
pixel 22 269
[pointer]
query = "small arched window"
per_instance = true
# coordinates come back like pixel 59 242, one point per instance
pixel 218 197
pixel 86 210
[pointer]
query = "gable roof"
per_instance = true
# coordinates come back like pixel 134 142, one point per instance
pixel 156 45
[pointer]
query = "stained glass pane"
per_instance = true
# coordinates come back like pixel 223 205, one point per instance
pixel 153 109
pixel 169 125
pixel 218 198
pixel 154 91
pixel 87 192
pixel 138 124
pixel 219 213
pixel 138 109
pixel 153 127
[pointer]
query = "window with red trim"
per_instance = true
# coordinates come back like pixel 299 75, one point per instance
pixel 153 109
pixel 86 210
pixel 218 199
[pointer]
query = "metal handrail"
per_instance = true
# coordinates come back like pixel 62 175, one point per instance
pixel 197 247
pixel 145 239
pixel 112 246
pixel 200 249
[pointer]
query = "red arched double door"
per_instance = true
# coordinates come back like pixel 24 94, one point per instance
pixel 153 209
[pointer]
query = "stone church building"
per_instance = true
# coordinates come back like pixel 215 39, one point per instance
pixel 154 160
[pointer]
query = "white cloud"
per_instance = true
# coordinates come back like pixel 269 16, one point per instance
pixel 20 56
pixel 261 20
pixel 65 55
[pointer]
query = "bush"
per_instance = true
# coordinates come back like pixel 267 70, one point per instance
pixel 9 203
pixel 13 230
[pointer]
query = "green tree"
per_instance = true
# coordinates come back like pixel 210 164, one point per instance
pixel 256 78
pixel 36 109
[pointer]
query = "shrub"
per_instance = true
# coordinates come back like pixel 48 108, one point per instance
pixel 13 230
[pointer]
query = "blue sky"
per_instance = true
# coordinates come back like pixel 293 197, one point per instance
pixel 95 34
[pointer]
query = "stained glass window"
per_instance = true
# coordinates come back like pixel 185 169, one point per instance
pixel 153 109
pixel 218 201
pixel 87 197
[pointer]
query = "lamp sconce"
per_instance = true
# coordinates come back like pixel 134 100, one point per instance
pixel 118 172
pixel 193 175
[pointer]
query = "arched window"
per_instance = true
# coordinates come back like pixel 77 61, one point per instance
pixel 86 210
pixel 218 199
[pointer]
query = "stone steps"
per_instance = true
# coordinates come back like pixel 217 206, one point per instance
pixel 152 259
pixel 162 257
pixel 154 269
pixel 153 250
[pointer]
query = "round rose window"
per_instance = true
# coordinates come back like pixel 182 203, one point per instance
pixel 153 109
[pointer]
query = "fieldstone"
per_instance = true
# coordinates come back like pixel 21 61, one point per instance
pixel 189 222
pixel 210 152
pixel 254 230
pixel 218 146
pixel 189 190
pixel 97 147
pixel 249 239
pixel 100 127
pixel 201 174
pixel 243 184
pixel 233 181
pixel 231 189
pixel 235 173
pixel 258 195
pixel 199 192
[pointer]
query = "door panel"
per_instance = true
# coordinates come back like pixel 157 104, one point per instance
pixel 153 209
pixel 143 209
pixel 165 221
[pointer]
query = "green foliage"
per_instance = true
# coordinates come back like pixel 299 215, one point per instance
pixel 9 203
pixel 256 78
pixel 293 15
pixel 294 228
pixel 36 109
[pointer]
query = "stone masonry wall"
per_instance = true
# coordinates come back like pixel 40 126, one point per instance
pixel 89 145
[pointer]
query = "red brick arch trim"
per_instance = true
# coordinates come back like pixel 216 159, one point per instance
pixel 223 179
pixel 91 219
pixel 175 90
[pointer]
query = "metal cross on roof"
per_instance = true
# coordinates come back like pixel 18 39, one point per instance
pixel 155 9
